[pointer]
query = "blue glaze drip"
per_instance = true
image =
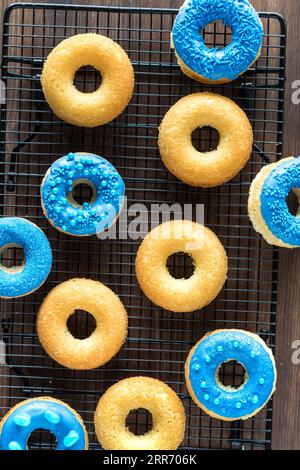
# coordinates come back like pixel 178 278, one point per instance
pixel 274 209
pixel 225 402
pixel 37 254
pixel 91 218
pixel 216 64
pixel 69 432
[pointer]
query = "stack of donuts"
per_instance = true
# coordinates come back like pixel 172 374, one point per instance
pixel 267 209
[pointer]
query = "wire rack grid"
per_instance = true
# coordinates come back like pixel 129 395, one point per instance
pixel 32 137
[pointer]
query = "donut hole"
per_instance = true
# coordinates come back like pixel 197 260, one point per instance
pixel 12 258
pixel 205 139
pixel 81 324
pixel 231 374
pixel 180 265
pixel 216 35
pixel 83 191
pixel 87 79
pixel 41 439
pixel 139 421
pixel 292 201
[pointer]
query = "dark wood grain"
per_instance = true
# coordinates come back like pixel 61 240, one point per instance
pixel 286 424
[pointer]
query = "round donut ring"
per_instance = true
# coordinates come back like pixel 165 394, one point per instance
pixel 96 299
pixel 43 413
pixel 205 169
pixel 88 109
pixel 267 206
pixel 25 279
pixel 92 217
pixel 216 65
pixel 207 253
pixel 224 402
pixel 133 393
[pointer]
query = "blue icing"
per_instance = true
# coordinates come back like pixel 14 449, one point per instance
pixel 44 414
pixel 215 64
pixel 93 217
pixel 37 254
pixel 221 347
pixel 274 209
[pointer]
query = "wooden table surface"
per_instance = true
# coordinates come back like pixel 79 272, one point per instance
pixel 286 416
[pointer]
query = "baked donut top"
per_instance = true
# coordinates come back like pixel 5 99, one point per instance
pixel 274 209
pixel 217 64
pixel 226 345
pixel 94 216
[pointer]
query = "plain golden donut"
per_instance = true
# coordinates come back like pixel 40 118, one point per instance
pixel 207 253
pixel 205 169
pixel 88 109
pixel 96 299
pixel 159 399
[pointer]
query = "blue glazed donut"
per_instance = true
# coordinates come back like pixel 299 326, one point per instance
pixel 267 204
pixel 22 280
pixel 43 413
pixel 202 369
pixel 93 217
pixel 216 65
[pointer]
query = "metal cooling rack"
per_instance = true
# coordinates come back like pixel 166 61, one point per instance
pixel 32 138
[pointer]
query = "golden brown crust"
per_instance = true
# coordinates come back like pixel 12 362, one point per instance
pixel 210 261
pixel 205 169
pixel 88 109
pixel 95 298
pixel 188 382
pixel 140 392
pixel 78 417
pixel 254 205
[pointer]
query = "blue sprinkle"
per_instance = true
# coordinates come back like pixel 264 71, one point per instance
pixel 70 156
pixel 238 405
pixel 235 344
pixel 52 417
pixel 203 384
pixel 71 438
pixel 216 401
pixel 207 358
pixel 261 381
pixel 255 399
pixel 196 366
pixel 206 397
pixel 14 445
pixel 220 348
pixel 252 354
pixel 23 420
